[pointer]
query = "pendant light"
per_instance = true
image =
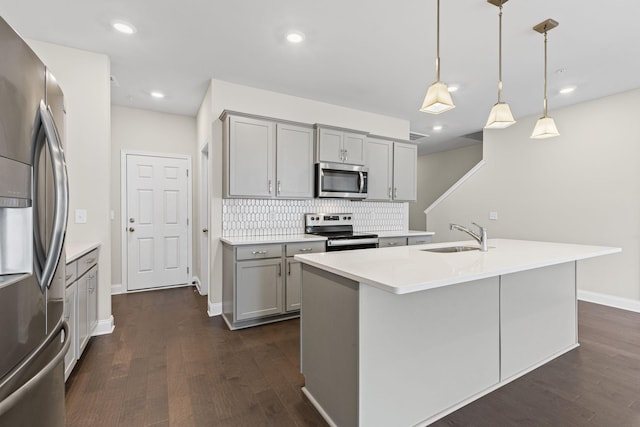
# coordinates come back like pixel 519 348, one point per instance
pixel 438 99
pixel 545 126
pixel 500 116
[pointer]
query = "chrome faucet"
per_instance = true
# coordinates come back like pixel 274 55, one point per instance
pixel 481 238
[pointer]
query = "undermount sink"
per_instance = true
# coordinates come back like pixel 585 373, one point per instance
pixel 450 249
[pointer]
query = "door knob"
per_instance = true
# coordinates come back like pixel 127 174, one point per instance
pixel 205 230
pixel 131 229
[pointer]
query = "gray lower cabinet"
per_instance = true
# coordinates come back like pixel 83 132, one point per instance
pixel 258 288
pixel 388 242
pixel 80 305
pixel 294 284
pixel 261 283
pixel 418 240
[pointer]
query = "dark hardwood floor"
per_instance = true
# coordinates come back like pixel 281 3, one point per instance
pixel 168 364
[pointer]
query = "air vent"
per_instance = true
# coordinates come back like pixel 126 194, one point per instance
pixel 413 136
pixel 114 81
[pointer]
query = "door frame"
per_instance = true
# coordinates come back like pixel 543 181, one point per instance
pixel 204 216
pixel 123 215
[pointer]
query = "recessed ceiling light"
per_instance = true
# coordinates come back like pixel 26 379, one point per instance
pixel 124 27
pixel 437 127
pixel 567 89
pixel 295 37
pixel 157 94
pixel 453 88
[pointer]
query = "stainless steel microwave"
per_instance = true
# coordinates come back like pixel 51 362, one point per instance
pixel 337 180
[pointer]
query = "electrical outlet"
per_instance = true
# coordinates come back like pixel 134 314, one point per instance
pixel 81 216
pixel 493 215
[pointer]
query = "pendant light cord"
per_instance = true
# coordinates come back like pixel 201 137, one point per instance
pixel 500 54
pixel 545 73
pixel 438 42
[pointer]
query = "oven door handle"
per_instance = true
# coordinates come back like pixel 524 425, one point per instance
pixel 348 242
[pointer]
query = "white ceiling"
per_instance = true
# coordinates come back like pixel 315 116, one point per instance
pixel 375 56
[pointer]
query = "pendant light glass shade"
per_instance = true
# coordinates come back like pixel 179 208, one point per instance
pixel 438 99
pixel 500 117
pixel 545 128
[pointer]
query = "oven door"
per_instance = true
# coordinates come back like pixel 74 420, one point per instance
pixel 335 180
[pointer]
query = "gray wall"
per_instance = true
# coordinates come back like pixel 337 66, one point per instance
pixel 436 173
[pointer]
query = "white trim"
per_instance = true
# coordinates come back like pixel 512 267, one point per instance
pixel 316 405
pixel 455 186
pixel 104 327
pixel 204 204
pixel 117 289
pixel 215 309
pixel 610 300
pixel 196 282
pixel 123 208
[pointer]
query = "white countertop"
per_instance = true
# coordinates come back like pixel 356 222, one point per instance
pixel 262 240
pixel 410 233
pixel 76 250
pixel 406 269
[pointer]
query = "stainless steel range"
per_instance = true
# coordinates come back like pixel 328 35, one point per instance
pixel 338 229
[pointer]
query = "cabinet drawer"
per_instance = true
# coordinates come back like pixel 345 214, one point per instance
pixel 419 240
pixel 258 252
pixel 305 248
pixel 387 242
pixel 85 262
pixel 71 273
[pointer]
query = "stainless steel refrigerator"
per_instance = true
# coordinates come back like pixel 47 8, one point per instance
pixel 33 221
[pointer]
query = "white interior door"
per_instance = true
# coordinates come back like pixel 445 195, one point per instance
pixel 157 221
pixel 204 221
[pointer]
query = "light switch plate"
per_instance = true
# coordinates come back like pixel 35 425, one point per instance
pixel 81 216
pixel 493 215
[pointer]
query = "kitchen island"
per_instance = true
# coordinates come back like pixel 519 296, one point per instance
pixel 402 336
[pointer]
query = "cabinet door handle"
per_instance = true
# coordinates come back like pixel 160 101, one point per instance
pixel 395 192
pixel 346 155
pixel 305 250
pixel 280 269
pixel 259 252
pixel 289 268
pixel 392 244
pixel 279 187
pixel 270 187
pixel 390 195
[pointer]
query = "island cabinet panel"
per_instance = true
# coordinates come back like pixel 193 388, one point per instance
pixel 329 347
pixel 423 352
pixel 538 316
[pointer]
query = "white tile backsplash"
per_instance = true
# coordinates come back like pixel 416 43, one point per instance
pixel 266 217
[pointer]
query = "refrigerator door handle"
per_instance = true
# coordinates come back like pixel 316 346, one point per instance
pixel 8 402
pixel 45 130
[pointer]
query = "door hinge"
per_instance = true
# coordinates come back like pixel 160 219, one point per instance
pixel 187 270
pixel 187 170
pixel 187 221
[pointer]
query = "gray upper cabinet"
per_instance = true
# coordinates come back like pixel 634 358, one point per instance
pixel 294 161
pixel 380 164
pixel 392 170
pixel 251 164
pixel 340 146
pixel 266 159
pixel 405 165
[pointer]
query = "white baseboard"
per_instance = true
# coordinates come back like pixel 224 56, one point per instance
pixel 104 327
pixel 196 281
pixel 117 288
pixel 215 309
pixel 609 300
